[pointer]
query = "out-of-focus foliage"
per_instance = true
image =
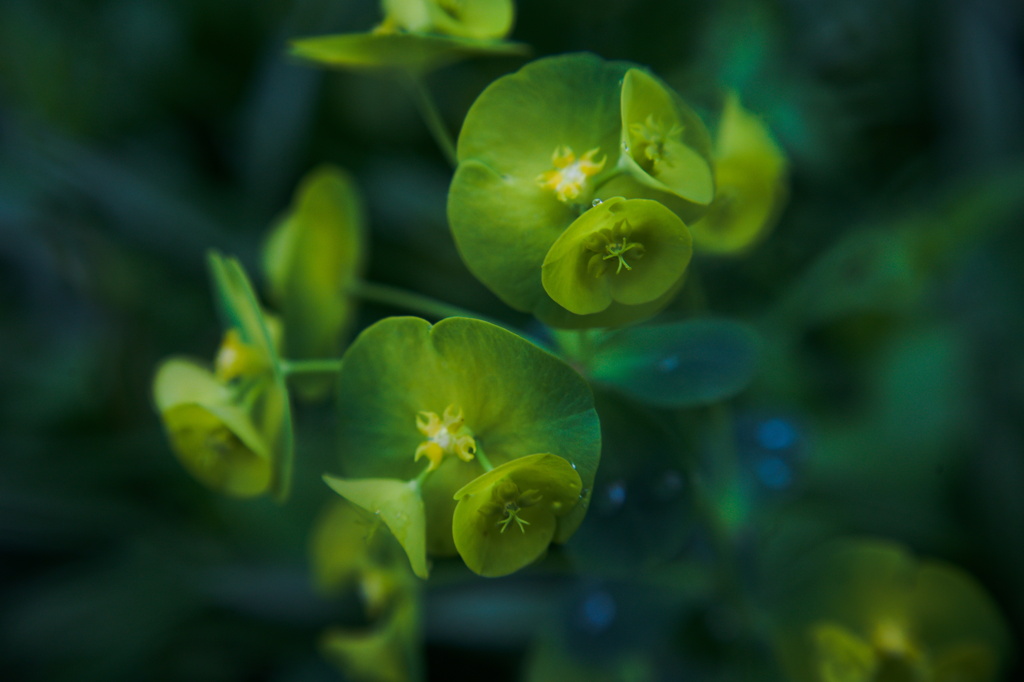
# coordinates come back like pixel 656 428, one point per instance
pixel 883 401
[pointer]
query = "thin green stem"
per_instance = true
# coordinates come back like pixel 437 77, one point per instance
pixel 432 117
pixel 482 458
pixel 400 298
pixel 329 366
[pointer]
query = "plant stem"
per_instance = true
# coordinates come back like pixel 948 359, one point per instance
pixel 328 366
pixel 432 117
pixel 400 298
pixel 482 458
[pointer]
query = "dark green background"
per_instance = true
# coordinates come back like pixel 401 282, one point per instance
pixel 136 134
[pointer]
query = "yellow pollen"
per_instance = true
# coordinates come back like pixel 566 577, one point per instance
pixel 508 501
pixel 446 435
pixel 569 175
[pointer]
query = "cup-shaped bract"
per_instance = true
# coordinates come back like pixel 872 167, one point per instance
pixel 750 179
pixel 268 399
pixel 663 140
pixel 627 251
pixel 868 611
pixel 478 19
pixel 439 405
pixel 213 438
pixel 506 518
pixel 539 149
pixel 312 257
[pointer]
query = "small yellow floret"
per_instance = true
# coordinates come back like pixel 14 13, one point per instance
pixel 653 137
pixel 446 435
pixel 237 358
pixel 569 175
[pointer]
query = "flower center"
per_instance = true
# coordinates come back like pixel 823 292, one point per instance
pixel 508 501
pixel 652 136
pixel 612 243
pixel 570 174
pixel 446 435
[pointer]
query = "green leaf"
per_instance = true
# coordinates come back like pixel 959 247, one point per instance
pixel 507 517
pixel 842 655
pixel 312 257
pixel 515 398
pixel 240 310
pixel 410 52
pixel 678 364
pixel 399 505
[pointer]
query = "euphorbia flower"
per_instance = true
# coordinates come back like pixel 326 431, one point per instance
pixel 540 150
pixel 425 410
pixel 231 428
pixel 507 517
pixel 750 174
pixel 419 35
pixel 869 612
pixel 312 258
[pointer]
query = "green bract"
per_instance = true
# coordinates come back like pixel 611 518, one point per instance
pixel 506 518
pixel 231 429
pixel 435 407
pixel 402 51
pixel 664 141
pixel 750 172
pixel 480 19
pixel 419 35
pixel 215 440
pixel 312 258
pixel 868 611
pixel 628 251
pixel 539 150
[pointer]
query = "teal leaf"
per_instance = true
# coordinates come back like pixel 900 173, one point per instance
pixel 678 364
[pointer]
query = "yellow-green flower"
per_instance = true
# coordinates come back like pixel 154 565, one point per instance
pixel 506 518
pixel 312 258
pixel 231 427
pixel 352 551
pixel 545 157
pixel 419 35
pixel 870 612
pixel 750 174
pixel 425 410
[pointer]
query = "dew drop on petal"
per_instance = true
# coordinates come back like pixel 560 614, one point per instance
pixel 596 202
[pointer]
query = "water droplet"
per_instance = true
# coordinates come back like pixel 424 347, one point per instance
pixel 774 473
pixel 597 612
pixel 596 202
pixel 775 434
pixel 669 363
pixel 572 464
pixel 625 146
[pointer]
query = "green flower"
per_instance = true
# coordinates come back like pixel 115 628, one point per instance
pixel 418 36
pixel 750 172
pixel 425 410
pixel 351 552
pixel 539 151
pixel 231 428
pixel 312 258
pixel 506 518
pixel 869 612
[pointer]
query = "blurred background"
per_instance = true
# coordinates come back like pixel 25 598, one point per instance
pixel 889 400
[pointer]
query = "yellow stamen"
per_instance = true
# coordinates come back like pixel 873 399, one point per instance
pixel 570 175
pixel 235 358
pixel 446 435
pixel 653 136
